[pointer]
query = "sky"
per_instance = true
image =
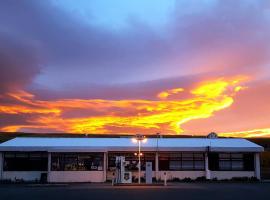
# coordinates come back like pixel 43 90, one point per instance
pixel 184 67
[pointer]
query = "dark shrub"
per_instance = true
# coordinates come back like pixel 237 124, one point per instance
pixel 201 178
pixel 187 179
pixel 175 179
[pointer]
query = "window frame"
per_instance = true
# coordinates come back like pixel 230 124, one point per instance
pixel 247 160
pixel 25 161
pixel 171 157
pixel 79 157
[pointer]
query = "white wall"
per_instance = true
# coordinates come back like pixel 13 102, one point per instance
pixel 76 176
pixel 1 165
pixel 24 175
pixel 257 166
pixel 180 174
pixel 194 174
pixel 170 174
pixel 221 175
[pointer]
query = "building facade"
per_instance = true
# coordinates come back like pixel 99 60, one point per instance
pixel 93 159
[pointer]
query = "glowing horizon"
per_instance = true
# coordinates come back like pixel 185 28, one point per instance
pixel 166 114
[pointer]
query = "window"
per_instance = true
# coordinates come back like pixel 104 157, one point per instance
pixel 25 161
pixel 77 162
pixel 231 161
pixel 187 161
pixel 224 161
pixel 181 161
pixel 175 165
pixel 199 161
pixel 237 162
pixel 70 162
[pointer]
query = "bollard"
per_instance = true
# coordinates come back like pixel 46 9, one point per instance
pixel 165 179
pixel 113 179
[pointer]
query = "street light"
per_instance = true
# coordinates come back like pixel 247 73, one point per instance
pixel 138 139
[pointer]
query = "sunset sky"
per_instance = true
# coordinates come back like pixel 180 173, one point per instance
pixel 186 67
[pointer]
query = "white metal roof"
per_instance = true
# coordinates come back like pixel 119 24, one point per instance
pixel 125 144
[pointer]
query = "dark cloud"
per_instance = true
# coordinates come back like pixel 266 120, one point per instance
pixel 141 90
pixel 68 44
pixel 19 62
pixel 222 36
pixel 12 120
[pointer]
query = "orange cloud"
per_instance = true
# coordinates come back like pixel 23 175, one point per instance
pixel 125 116
pixel 167 93
pixel 263 132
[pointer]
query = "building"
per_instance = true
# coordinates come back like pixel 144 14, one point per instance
pixel 93 159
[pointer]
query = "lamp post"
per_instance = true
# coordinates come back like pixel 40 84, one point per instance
pixel 138 139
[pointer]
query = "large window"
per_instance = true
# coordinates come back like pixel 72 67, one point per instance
pixel 131 160
pixel 231 162
pixel 77 162
pixel 185 161
pixel 25 161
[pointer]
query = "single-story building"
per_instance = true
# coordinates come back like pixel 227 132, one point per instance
pixel 93 159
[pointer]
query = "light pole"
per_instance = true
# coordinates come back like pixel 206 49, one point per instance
pixel 138 139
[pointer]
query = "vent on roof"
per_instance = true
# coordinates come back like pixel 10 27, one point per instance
pixel 212 135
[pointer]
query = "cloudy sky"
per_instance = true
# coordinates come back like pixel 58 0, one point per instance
pixel 167 66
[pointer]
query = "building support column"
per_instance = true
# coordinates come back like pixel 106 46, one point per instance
pixel 1 165
pixel 105 166
pixel 207 171
pixel 156 167
pixel 49 167
pixel 257 166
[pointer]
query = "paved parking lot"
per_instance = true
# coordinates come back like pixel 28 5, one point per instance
pixel 219 191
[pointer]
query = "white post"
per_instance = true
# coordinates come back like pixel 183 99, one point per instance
pixel 49 167
pixel 104 167
pixel 257 166
pixel 165 178
pixel 156 166
pixel 139 178
pixel 207 171
pixel 1 165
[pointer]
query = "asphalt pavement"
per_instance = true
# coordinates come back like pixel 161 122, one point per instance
pixel 202 191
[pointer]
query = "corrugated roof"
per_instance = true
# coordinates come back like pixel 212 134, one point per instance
pixel 125 144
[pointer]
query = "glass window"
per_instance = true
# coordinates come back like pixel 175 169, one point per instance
pixel 70 162
pixel 187 165
pixel 224 165
pixel 175 165
pixel 237 165
pixel 199 165
pixel 225 156
pixel 248 159
pixel 237 156
pixel 187 156
pixel 25 161
pixel 84 162
pixel 181 161
pixel 77 162
pixel 57 162
pixel 232 162
pixel 225 161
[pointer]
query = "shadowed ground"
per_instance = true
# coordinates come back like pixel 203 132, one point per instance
pixel 220 191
